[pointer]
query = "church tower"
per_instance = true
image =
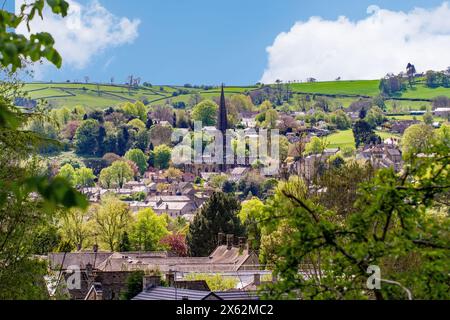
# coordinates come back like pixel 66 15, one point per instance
pixel 222 121
pixel 222 126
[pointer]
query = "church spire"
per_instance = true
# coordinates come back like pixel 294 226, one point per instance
pixel 222 121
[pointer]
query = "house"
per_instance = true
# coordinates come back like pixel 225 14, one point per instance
pixel 238 173
pixel 136 186
pixel 173 205
pixel 442 112
pixel 103 275
pixel 249 122
pixel 182 189
pixel 62 266
pixel 401 126
pixel 293 137
pixel 225 258
pixel 331 152
pixel 93 194
pixel 382 156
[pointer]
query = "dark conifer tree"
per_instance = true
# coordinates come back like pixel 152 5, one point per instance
pixel 101 141
pixel 124 244
pixel 218 215
pixel 149 123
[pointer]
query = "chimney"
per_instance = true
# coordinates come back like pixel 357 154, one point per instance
pixel 95 249
pixel 150 282
pixel 230 240
pixel 170 278
pixel 220 238
pixel 89 269
pixel 249 245
pixel 257 279
pixel 241 243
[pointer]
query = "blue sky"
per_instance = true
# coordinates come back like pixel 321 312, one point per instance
pixel 207 41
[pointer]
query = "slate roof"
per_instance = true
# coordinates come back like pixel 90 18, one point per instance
pixel 81 259
pixel 163 293
pixel 221 260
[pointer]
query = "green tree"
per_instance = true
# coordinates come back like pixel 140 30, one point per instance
pixel 271 119
pixel 218 214
pixel 428 118
pixel 161 156
pixel 364 134
pixel 417 139
pixel 315 146
pixel 134 285
pixel 125 244
pixel 341 120
pixel 141 111
pixel 86 137
pixel 251 214
pixel 379 102
pixel 116 175
pixel 206 112
pixel 217 181
pixel 67 172
pixel 75 227
pixel 137 110
pixel 84 177
pixel 375 117
pixel 215 282
pixel 139 158
pixel 137 124
pixel 148 230
pixel 46 239
pixel 112 217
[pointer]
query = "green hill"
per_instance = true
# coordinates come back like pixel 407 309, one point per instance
pixel 94 96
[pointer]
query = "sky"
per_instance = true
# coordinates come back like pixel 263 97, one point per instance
pixel 243 42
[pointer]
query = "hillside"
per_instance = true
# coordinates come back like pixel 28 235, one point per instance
pixel 94 96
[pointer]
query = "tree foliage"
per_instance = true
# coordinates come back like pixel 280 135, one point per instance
pixel 139 158
pixel 396 225
pixel 161 156
pixel 218 214
pixel 116 175
pixel 206 112
pixel 111 219
pixel 148 230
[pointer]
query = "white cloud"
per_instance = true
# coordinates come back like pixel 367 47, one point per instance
pixel 385 41
pixel 86 31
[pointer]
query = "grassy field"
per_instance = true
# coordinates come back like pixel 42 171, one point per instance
pixel 422 92
pixel 345 138
pixel 360 88
pixel 341 139
pixel 368 88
